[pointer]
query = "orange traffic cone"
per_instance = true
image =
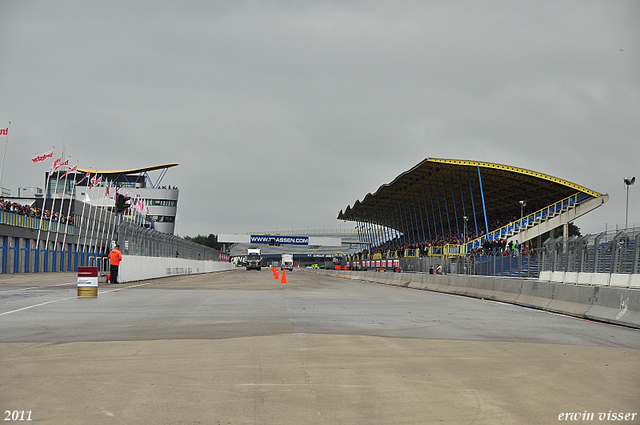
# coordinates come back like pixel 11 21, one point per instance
pixel 275 274
pixel 284 276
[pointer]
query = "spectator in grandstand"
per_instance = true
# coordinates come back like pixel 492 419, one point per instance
pixel 16 208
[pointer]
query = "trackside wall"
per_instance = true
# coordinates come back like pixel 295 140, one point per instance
pixel 134 268
pixel 615 305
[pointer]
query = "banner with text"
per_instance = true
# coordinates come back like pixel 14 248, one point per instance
pixel 281 240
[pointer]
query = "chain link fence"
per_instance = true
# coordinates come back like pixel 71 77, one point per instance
pixel 606 252
pixel 482 265
pixel 136 240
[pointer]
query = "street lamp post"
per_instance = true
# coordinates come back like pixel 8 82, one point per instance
pixel 628 182
pixel 522 205
pixel 465 218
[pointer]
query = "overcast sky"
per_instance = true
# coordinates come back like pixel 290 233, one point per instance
pixel 282 113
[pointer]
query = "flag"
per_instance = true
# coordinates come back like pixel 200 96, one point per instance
pixel 70 170
pixel 42 157
pixel 86 176
pixel 56 164
pixel 64 164
pixel 96 182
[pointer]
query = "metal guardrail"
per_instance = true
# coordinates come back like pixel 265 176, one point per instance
pixel 30 222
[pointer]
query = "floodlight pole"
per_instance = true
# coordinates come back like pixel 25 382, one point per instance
pixel 627 182
pixel 465 232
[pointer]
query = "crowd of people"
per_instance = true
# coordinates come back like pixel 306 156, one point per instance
pixel 495 247
pixel 32 211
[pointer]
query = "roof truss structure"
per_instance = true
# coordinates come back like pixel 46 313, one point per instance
pixel 431 199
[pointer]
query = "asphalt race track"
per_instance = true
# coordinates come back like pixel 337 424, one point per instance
pixel 240 347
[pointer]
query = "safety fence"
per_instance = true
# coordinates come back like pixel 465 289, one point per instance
pixel 613 252
pixel 607 252
pixel 140 241
pixel 58 247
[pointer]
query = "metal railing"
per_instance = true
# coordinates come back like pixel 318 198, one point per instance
pixel 529 220
pixel 607 252
pixel 30 222
pixel 136 240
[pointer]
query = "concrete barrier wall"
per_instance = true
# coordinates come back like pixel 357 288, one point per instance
pixel 615 305
pixel 593 279
pixel 609 304
pixel 134 268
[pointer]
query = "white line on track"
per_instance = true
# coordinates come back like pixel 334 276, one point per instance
pixel 70 298
pixel 37 287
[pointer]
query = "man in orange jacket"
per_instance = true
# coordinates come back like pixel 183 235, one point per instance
pixel 115 256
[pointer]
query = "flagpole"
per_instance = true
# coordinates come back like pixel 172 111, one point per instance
pixel 66 227
pixel 86 228
pixel 113 220
pixel 6 142
pixel 53 207
pixel 101 226
pixel 90 223
pixel 107 242
pixel 82 220
pixel 64 189
pixel 44 202
pixel 93 226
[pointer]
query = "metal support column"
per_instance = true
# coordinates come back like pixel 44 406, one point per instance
pixel 484 208
pixel 424 236
pixel 433 214
pixel 473 205
pixel 446 206
pixel 455 209
pixel 415 215
pixel 426 214
pixel 440 212
pixel 410 220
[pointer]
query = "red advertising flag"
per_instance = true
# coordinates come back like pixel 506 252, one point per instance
pixel 70 170
pixel 42 157
pixel 86 176
pixel 56 164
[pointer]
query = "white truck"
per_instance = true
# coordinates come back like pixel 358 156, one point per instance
pixel 287 262
pixel 254 259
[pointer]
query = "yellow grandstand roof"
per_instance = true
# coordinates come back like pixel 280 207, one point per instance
pixel 131 171
pixel 447 189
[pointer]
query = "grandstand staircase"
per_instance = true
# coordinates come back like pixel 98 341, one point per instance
pixel 555 218
pixel 544 220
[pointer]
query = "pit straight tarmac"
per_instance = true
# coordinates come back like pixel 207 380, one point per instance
pixel 241 347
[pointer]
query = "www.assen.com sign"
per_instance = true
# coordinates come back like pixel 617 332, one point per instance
pixel 282 240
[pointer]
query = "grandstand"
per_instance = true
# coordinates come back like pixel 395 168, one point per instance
pixel 75 223
pixel 448 207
